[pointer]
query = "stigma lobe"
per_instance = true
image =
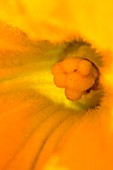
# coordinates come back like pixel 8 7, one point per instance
pixel 75 75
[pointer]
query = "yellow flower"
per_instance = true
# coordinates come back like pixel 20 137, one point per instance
pixel 40 129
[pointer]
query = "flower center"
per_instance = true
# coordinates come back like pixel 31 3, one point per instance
pixel 77 76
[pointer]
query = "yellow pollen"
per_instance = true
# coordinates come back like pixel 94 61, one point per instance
pixel 75 75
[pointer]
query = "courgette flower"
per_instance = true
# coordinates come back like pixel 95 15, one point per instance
pixel 56 87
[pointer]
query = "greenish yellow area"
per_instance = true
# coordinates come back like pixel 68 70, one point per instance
pixel 37 73
pixel 42 78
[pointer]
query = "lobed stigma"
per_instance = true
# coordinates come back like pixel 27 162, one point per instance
pixel 77 76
